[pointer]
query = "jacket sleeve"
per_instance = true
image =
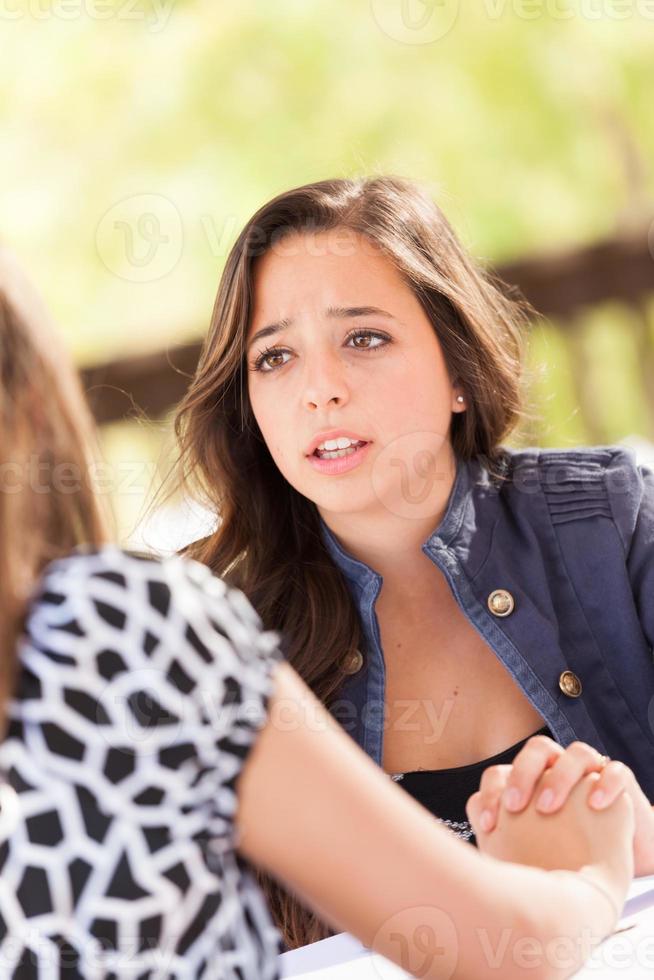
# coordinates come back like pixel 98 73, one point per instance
pixel 631 492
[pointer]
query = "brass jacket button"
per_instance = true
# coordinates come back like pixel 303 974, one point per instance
pixel 354 663
pixel 570 684
pixel 500 602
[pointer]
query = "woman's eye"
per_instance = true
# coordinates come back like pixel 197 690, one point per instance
pixel 271 359
pixel 263 361
pixel 368 335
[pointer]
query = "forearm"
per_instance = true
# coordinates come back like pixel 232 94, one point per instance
pixel 528 923
pixel 510 921
pixel 514 921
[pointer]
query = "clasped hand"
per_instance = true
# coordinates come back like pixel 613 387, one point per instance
pixel 545 766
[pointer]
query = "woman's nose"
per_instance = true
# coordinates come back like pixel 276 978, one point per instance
pixel 325 385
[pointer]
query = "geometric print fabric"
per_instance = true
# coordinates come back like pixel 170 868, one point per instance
pixel 142 687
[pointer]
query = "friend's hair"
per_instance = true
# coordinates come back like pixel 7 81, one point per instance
pixel 268 539
pixel 47 443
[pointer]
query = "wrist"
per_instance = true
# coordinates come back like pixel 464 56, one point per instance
pixel 610 881
pixel 602 891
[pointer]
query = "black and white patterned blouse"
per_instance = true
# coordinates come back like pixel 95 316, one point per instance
pixel 142 687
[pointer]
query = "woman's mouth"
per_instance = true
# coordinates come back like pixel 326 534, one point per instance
pixel 336 461
pixel 338 453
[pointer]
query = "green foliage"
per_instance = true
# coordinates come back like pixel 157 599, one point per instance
pixel 519 118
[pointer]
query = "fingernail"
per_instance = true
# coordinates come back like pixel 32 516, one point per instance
pixel 513 799
pixel 598 798
pixel 486 821
pixel 545 800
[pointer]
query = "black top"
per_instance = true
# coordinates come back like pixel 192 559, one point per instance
pixel 445 792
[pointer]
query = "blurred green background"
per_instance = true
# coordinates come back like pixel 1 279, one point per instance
pixel 137 137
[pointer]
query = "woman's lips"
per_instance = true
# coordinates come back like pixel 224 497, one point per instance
pixel 340 464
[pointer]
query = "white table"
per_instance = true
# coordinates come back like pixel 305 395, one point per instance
pixel 629 953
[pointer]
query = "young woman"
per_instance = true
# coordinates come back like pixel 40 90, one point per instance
pixel 154 741
pixel 446 597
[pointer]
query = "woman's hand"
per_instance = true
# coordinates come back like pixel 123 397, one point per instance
pixel 572 837
pixel 598 844
pixel 556 771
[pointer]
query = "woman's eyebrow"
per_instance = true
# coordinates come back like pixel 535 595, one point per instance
pixel 334 312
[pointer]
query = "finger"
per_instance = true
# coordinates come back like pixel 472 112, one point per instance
pixel 530 763
pixel 491 787
pixel 474 811
pixel 614 779
pixel 577 761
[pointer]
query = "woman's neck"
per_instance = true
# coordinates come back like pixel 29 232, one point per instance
pixel 391 544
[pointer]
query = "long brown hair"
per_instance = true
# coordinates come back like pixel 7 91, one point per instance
pixel 268 542
pixel 47 444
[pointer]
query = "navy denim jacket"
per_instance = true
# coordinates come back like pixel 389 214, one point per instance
pixel 570 535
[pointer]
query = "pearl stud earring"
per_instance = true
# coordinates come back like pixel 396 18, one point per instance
pixel 459 398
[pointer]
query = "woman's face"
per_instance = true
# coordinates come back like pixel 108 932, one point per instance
pixel 350 351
